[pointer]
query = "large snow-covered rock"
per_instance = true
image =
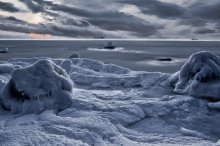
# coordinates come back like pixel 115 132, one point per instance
pixel 43 85
pixel 199 76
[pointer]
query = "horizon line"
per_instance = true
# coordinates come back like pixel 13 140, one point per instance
pixel 103 39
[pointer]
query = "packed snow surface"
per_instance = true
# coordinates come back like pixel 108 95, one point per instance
pixel 79 101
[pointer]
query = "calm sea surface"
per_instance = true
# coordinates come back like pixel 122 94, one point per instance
pixel 136 55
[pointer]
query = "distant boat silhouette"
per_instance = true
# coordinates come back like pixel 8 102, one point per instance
pixel 194 39
pixel 110 45
pixel 100 37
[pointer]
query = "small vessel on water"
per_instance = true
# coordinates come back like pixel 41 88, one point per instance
pixel 110 45
pixel 194 39
pixel 4 50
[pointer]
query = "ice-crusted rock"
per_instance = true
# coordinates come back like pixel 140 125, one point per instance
pixel 75 55
pixel 43 85
pixel 199 76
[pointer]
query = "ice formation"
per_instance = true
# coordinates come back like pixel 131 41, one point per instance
pixel 35 88
pixel 109 105
pixel 199 76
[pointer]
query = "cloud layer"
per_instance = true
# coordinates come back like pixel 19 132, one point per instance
pixel 8 7
pixel 112 19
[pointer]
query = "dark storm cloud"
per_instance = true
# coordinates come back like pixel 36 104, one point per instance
pixel 205 31
pixel 204 13
pixel 72 10
pixel 11 18
pixel 111 20
pixel 83 18
pixel 107 20
pixel 11 21
pixel 126 24
pixel 33 6
pixel 8 7
pixel 193 22
pixel 12 24
pixel 80 23
pixel 197 15
pixel 158 8
pixel 74 32
pixel 207 10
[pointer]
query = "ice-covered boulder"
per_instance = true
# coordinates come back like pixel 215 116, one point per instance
pixel 75 55
pixel 199 76
pixel 43 85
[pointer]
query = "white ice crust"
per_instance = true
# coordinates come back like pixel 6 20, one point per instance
pixel 199 76
pixel 108 105
pixel 37 87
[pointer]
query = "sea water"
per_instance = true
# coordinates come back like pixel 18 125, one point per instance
pixel 139 55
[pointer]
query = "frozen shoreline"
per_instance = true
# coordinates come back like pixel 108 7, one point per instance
pixel 110 105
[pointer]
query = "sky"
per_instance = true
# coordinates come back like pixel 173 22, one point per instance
pixel 126 19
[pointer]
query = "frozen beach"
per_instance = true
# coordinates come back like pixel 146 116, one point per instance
pixel 81 101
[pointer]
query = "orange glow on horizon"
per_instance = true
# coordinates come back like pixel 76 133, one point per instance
pixel 41 36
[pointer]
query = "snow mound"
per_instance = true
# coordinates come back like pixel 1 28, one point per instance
pixel 96 74
pixel 37 87
pixel 199 76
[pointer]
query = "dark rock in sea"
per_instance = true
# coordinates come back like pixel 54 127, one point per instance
pixel 165 59
pixel 75 55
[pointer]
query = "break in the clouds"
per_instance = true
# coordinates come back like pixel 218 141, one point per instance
pixel 157 19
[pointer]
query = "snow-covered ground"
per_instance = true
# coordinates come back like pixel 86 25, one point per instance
pixel 79 101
